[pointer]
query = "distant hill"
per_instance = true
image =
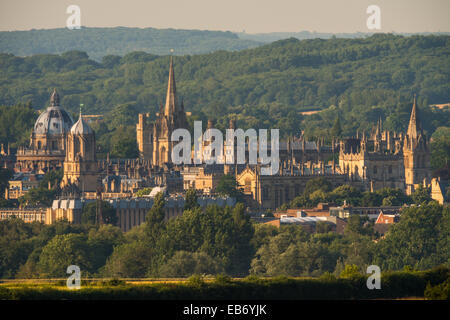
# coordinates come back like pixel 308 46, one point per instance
pixel 302 35
pixel 98 42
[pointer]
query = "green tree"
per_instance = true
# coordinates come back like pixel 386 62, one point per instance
pixel 350 271
pixel 336 131
pixel 5 176
pixel 315 184
pixel 227 186
pixel 190 201
pixel 143 192
pixel 37 197
pixel 102 242
pixel 416 240
pixel 421 195
pixel 155 219
pixel 63 251
pixel 53 178
pixel 129 260
pixel 185 264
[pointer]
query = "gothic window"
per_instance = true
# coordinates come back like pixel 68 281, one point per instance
pixel 39 145
pixel 375 170
pixel 286 194
pixel 390 169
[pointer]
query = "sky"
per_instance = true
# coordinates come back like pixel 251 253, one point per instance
pixel 251 16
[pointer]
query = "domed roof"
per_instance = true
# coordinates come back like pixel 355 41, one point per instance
pixel 54 120
pixel 81 127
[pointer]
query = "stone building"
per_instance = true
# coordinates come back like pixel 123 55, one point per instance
pixel 130 212
pixel 388 159
pixel 80 163
pixel 271 191
pixel 26 214
pixel 48 140
pixel 204 178
pixel 416 152
pixel 154 138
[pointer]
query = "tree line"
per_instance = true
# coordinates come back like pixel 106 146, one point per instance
pixel 217 240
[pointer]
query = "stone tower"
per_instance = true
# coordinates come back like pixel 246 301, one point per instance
pixel 416 153
pixel 170 118
pixel 80 164
pixel 144 135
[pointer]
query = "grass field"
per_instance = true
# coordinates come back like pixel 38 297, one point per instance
pixel 394 285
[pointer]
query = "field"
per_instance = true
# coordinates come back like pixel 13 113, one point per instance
pixel 395 285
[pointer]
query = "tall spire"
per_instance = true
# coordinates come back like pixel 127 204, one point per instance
pixel 171 97
pixel 54 98
pixel 414 127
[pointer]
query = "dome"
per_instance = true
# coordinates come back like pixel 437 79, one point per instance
pixel 54 120
pixel 81 127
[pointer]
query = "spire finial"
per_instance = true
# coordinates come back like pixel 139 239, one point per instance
pixel 414 126
pixel 171 98
pixel 81 105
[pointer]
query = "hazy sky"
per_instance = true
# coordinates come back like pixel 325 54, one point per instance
pixel 253 16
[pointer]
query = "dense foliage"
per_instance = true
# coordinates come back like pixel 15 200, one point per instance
pixel 319 190
pixel 222 241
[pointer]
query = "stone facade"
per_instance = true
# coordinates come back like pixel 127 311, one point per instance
pixel 80 163
pixel 271 191
pixel 386 159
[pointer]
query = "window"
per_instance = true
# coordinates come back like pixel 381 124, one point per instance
pixel 375 170
pixel 390 169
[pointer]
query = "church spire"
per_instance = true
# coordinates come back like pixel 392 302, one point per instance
pixel 171 97
pixel 414 127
